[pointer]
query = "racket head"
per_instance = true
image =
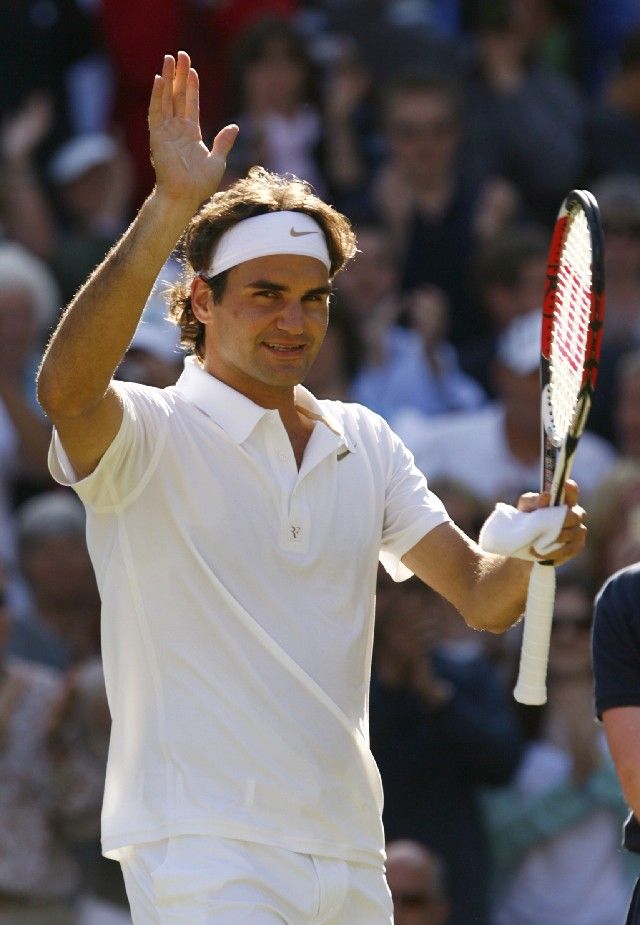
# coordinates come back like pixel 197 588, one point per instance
pixel 572 324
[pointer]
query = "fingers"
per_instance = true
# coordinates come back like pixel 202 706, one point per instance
pixel 571 493
pixel 531 501
pixel 168 75
pixel 224 140
pixel 192 97
pixel 176 91
pixel 180 81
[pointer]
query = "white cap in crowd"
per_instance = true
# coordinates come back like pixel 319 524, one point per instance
pixel 519 344
pixel 80 154
pixel 21 270
pixel 49 513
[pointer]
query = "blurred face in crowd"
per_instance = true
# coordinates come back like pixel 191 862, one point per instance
pixel 84 197
pixel 58 569
pixel 275 82
pixel 413 880
pixel 371 276
pixel 18 327
pixel 570 649
pixel 520 394
pixel 628 415
pixel 508 302
pixel 423 136
pixel 4 619
pixel 622 242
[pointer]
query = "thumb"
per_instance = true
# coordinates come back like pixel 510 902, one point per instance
pixel 224 140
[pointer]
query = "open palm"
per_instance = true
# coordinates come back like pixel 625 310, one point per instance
pixel 185 168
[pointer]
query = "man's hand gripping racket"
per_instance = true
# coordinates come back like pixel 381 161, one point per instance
pixel 573 313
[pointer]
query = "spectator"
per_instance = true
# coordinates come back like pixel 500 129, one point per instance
pixel 339 358
pixel 441 729
pixel 79 744
pixel 618 196
pixel 352 147
pixel 59 626
pixel 369 290
pixel 54 48
pixel 554 829
pixel 413 366
pixel 421 370
pixel 613 140
pixel 39 877
pixel 154 356
pixel 510 274
pixel 26 217
pixel 28 308
pixel 436 219
pixel 616 656
pixel 276 104
pixel 627 407
pixel 496 451
pixel 92 178
pixel 393 34
pixel 516 109
pixel 417 881
pixel 614 537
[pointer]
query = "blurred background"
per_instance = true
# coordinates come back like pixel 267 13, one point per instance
pixel 449 132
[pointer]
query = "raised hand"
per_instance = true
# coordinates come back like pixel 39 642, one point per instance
pixel 186 170
pixel 22 132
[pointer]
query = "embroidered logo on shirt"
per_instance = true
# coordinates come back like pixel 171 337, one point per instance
pixel 295 531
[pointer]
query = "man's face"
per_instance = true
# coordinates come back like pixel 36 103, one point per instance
pixel 423 134
pixel 265 333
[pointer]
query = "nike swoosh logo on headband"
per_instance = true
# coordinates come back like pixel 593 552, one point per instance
pixel 299 234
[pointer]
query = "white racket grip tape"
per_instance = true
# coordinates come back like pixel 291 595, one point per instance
pixel 531 686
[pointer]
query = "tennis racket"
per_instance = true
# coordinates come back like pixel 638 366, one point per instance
pixel 572 318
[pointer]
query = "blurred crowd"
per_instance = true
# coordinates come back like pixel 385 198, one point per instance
pixel 449 132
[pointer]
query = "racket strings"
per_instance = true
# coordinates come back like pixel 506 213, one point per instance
pixel 571 320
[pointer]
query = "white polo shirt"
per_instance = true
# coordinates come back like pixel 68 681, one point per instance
pixel 238 599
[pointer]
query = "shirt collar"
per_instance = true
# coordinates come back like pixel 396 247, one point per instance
pixel 236 414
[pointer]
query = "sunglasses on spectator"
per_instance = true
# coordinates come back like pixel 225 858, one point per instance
pixel 407 130
pixel 622 229
pixel 412 900
pixel 578 624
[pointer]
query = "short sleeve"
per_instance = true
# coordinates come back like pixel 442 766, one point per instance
pixel 411 509
pixel 130 459
pixel 616 642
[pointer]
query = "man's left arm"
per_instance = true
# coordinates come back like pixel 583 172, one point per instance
pixel 487 589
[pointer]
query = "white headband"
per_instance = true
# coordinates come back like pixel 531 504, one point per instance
pixel 271 233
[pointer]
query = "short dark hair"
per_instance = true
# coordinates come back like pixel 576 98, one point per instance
pixel 416 81
pixel 502 259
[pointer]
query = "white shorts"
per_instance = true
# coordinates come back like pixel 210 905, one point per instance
pixel 207 880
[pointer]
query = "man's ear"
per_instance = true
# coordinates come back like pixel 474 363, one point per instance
pixel 201 299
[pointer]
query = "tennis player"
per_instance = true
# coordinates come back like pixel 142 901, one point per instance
pixel 235 525
pixel 616 668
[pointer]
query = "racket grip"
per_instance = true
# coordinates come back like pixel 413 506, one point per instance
pixel 531 686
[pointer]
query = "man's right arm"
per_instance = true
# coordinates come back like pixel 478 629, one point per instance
pixel 75 379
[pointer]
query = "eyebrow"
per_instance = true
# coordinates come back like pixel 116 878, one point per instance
pixel 278 287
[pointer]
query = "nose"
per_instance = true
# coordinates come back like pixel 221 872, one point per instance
pixel 291 318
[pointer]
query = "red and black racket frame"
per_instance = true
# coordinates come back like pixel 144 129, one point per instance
pixel 556 461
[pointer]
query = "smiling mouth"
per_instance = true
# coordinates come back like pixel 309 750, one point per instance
pixel 286 349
